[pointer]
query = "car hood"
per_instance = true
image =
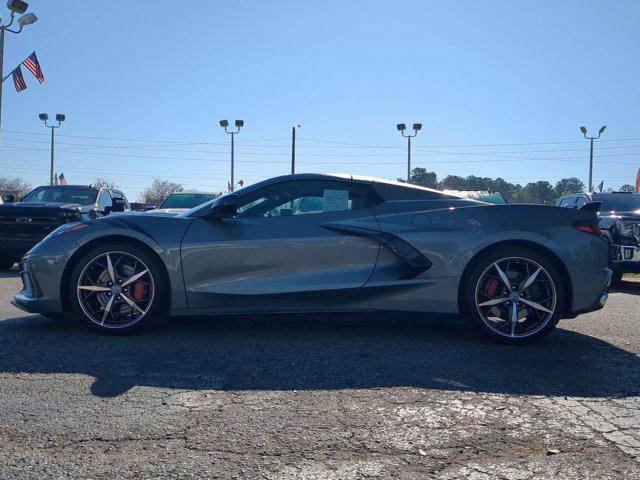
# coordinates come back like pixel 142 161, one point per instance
pixel 42 206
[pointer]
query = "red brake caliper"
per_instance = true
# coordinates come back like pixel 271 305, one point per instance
pixel 492 287
pixel 139 290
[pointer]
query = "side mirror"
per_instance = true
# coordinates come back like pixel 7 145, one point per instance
pixel 224 207
pixel 117 205
pixel 149 207
pixel 9 198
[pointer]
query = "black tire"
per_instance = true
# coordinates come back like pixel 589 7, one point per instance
pixel 616 278
pixel 480 269
pixel 6 264
pixel 157 307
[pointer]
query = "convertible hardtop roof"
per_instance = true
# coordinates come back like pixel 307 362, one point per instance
pixel 389 189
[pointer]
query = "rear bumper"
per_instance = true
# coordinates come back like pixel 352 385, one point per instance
pixel 591 293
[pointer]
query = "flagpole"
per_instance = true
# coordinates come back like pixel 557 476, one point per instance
pixel 1 77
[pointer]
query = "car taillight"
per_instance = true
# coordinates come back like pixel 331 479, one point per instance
pixel 589 226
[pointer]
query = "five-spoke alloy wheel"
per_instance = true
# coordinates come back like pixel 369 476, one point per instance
pixel 514 295
pixel 116 288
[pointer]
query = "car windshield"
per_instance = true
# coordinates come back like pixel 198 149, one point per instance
pixel 618 203
pixel 186 200
pixel 62 194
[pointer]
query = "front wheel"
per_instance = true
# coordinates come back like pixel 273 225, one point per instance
pixel 118 288
pixel 514 295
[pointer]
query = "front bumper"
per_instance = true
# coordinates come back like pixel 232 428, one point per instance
pixel 626 258
pixel 32 298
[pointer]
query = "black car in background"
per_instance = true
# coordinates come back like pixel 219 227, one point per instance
pixel 620 224
pixel 23 224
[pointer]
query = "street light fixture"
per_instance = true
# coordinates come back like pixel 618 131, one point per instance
pixel 239 124
pixel 59 118
pixel 402 128
pixel 591 139
pixel 16 7
pixel 27 19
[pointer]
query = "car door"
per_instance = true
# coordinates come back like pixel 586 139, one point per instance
pixel 283 246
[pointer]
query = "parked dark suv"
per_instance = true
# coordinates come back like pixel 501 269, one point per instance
pixel 23 224
pixel 620 224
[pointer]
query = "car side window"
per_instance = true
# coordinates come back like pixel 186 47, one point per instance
pixel 303 197
pixel 568 202
pixel 104 201
pixel 581 201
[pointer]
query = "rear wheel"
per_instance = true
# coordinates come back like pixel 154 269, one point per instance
pixel 118 288
pixel 514 295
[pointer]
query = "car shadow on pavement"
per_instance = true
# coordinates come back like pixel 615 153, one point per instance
pixel 313 352
pixel 627 286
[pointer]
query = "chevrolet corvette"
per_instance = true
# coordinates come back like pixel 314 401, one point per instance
pixel 326 243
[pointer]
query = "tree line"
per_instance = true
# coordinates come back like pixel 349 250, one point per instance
pixel 540 192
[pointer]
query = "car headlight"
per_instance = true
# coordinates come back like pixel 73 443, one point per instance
pixel 66 228
pixel 625 229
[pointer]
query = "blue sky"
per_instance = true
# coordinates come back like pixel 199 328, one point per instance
pixel 150 82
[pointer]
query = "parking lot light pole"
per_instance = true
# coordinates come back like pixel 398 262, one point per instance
pixel 224 124
pixel 591 139
pixel 19 7
pixel 402 128
pixel 293 147
pixel 45 118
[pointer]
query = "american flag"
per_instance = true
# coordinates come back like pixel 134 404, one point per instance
pixel 18 79
pixel 63 181
pixel 33 66
pixel 55 179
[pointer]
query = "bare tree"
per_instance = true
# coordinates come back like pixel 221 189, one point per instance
pixel 14 186
pixel 101 182
pixel 159 190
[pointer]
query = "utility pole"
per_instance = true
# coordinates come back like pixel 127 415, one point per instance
pixel 591 139
pixel 402 128
pixel 19 7
pixel 293 148
pixel 239 124
pixel 45 118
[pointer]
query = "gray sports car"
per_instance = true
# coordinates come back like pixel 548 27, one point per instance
pixel 326 243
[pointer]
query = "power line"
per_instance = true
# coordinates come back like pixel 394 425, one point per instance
pixel 183 142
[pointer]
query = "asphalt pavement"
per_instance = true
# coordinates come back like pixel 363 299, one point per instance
pixel 310 397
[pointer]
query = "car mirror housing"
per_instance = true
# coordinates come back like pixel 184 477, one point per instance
pixel 224 207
